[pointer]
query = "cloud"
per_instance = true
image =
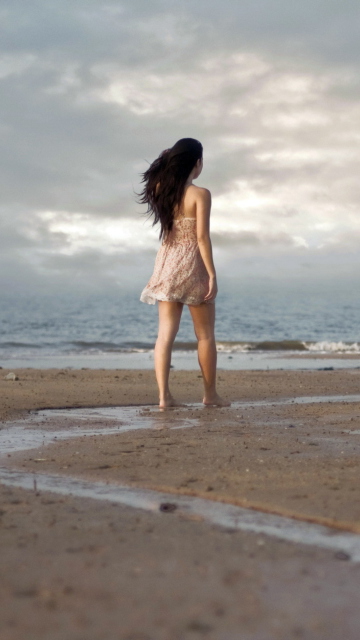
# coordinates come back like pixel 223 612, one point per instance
pixel 250 239
pixel 91 92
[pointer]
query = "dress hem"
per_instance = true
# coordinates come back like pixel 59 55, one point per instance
pixel 152 299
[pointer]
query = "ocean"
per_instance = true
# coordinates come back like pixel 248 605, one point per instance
pixel 260 324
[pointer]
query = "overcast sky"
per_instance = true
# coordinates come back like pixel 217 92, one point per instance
pixel 92 91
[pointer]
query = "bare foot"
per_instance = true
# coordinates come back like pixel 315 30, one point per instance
pixel 215 401
pixel 169 402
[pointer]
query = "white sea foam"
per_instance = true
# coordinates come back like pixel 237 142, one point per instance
pixel 240 347
pixel 333 347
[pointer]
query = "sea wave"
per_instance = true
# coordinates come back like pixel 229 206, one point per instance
pixel 264 345
pixel 124 347
pixel 324 346
pixel 110 347
pixel 84 347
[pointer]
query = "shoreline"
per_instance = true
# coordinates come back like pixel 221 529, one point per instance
pixel 67 387
pixel 185 361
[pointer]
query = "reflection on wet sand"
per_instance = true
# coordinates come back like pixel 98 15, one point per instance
pixel 223 515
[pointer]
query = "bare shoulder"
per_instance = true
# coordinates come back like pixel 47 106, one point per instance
pixel 197 201
pixel 199 193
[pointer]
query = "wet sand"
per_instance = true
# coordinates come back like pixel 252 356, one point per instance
pixel 97 570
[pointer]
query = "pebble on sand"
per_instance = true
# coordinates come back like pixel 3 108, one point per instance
pixel 11 376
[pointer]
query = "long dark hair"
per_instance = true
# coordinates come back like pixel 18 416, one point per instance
pixel 164 181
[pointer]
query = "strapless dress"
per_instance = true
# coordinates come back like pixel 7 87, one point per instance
pixel 179 273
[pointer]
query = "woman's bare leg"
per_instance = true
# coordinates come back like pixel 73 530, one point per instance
pixel 203 317
pixel 169 320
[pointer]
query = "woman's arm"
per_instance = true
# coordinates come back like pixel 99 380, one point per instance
pixel 203 207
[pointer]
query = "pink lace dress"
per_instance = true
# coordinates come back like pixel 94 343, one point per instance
pixel 179 273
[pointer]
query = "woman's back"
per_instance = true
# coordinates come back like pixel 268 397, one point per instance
pixel 187 208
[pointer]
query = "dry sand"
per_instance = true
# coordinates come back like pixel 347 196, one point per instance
pixel 77 569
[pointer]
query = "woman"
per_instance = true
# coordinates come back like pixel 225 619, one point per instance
pixel 184 270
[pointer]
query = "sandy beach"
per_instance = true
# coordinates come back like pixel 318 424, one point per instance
pixel 79 568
